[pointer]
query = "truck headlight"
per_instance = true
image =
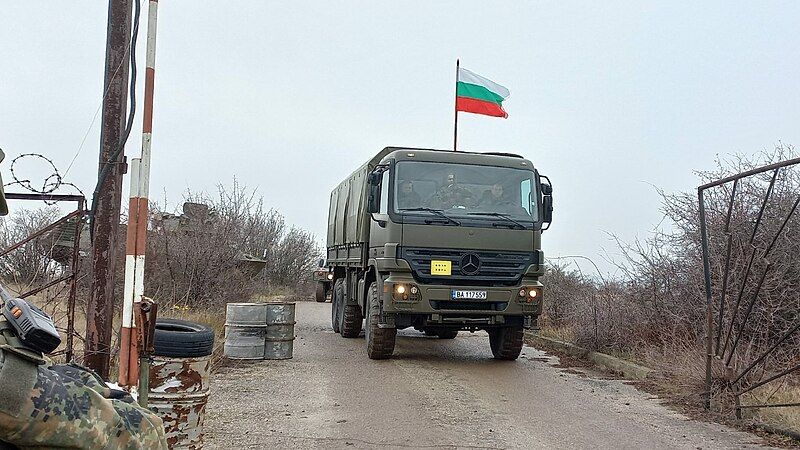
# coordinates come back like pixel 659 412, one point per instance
pixel 530 294
pixel 330 276
pixel 407 292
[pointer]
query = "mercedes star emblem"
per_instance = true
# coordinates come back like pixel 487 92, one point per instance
pixel 470 264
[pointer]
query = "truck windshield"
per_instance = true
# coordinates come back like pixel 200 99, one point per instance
pixel 484 193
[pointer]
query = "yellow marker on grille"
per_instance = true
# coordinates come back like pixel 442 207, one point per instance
pixel 440 267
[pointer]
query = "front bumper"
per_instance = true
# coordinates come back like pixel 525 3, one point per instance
pixel 433 305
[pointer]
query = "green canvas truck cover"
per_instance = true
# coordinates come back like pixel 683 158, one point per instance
pixel 348 220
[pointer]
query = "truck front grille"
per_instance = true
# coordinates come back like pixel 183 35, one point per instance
pixel 496 268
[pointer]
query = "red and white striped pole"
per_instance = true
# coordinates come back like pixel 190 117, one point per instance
pixel 136 243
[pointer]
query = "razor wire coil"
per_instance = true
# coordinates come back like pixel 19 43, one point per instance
pixel 50 183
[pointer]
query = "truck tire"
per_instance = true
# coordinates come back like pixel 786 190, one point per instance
pixel 182 339
pixel 337 298
pixel 351 321
pixel 319 294
pixel 447 334
pixel 506 342
pixel 380 341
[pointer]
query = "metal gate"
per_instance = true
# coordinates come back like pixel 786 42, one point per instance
pixel 64 236
pixel 735 286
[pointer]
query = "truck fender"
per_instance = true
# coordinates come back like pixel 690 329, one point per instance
pixel 363 286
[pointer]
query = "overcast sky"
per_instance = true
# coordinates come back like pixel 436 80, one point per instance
pixel 290 97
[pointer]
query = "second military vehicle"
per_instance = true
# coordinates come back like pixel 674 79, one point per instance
pixel 441 241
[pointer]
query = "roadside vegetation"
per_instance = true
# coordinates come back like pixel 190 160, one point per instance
pixel 653 309
pixel 209 250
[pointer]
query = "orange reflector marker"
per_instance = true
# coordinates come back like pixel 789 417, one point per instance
pixel 16 312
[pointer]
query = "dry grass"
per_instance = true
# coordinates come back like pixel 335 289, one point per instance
pixel 788 418
pixel 562 333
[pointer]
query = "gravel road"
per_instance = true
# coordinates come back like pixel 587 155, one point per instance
pixel 436 394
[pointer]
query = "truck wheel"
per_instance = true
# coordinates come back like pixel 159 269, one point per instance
pixel 320 292
pixel 380 341
pixel 447 334
pixel 429 332
pixel 336 304
pixel 506 342
pixel 351 321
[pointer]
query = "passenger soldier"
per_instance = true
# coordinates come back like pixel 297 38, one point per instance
pixel 494 198
pixel 407 198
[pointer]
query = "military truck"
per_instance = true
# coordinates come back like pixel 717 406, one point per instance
pixel 440 241
pixel 322 278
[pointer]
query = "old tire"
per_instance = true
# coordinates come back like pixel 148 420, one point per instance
pixel 506 342
pixel 337 299
pixel 352 319
pixel 319 294
pixel 380 341
pixel 182 339
pixel 447 334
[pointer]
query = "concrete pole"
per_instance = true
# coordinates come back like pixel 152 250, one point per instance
pixel 100 308
pixel 136 244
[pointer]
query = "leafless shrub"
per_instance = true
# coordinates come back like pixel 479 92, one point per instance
pixel 33 262
pixel 658 301
pixel 209 255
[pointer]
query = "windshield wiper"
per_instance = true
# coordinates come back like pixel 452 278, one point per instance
pixel 500 215
pixel 438 212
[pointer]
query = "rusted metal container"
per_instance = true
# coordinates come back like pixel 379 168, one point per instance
pixel 279 337
pixel 245 330
pixel 179 389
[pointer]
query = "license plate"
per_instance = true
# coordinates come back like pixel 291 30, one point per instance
pixel 469 295
pixel 441 267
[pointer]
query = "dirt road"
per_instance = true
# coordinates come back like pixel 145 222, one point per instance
pixel 435 394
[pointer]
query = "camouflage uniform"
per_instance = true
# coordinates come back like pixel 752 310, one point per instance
pixel 452 195
pixel 66 406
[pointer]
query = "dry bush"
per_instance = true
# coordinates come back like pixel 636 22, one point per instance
pixel 32 263
pixel 195 259
pixel 655 308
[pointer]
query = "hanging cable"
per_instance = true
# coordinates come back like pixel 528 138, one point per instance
pixel 129 125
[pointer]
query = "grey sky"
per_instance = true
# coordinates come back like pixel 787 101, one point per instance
pixel 289 97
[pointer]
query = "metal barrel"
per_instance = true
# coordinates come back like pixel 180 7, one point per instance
pixel 245 325
pixel 279 336
pixel 179 389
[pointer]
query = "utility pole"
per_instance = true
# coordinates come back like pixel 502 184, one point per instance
pixel 100 309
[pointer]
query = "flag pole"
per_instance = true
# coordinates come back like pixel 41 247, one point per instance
pixel 455 121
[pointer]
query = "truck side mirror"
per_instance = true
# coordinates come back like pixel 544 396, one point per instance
pixel 321 262
pixel 374 203
pixel 547 201
pixel 547 206
pixel 374 178
pixel 374 181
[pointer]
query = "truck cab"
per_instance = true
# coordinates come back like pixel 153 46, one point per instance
pixel 440 241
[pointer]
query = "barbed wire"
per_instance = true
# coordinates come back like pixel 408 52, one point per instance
pixel 50 184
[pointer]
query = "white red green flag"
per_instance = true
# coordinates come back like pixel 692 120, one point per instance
pixel 478 95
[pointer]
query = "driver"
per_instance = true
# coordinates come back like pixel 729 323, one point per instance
pixel 452 195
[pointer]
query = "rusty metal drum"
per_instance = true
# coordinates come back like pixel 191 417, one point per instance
pixel 179 380
pixel 279 334
pixel 245 330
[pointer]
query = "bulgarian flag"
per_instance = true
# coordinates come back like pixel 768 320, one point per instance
pixel 479 95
